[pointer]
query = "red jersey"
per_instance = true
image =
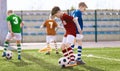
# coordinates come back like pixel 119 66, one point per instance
pixel 69 25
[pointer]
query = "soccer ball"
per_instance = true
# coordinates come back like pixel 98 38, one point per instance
pixel 8 54
pixel 63 61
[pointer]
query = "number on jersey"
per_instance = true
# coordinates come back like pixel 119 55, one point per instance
pixel 51 24
pixel 15 20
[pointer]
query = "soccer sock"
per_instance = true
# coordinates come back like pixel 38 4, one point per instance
pixel 6 44
pixel 70 51
pixel 56 47
pixel 65 53
pixel 72 46
pixel 79 53
pixel 19 49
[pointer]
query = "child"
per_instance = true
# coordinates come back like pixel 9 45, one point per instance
pixel 50 25
pixel 69 36
pixel 14 28
pixel 77 14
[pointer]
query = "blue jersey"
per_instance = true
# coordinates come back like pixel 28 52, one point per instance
pixel 78 13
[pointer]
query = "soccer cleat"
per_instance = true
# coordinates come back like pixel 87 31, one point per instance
pixel 3 54
pixel 45 49
pixel 48 53
pixel 19 57
pixel 80 62
pixel 71 64
pixel 57 52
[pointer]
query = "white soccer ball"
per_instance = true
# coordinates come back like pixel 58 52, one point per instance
pixel 8 54
pixel 63 61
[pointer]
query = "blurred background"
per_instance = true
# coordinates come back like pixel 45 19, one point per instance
pixel 101 20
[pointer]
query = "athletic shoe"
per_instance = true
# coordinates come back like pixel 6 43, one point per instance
pixel 47 53
pixel 19 57
pixel 3 54
pixel 71 64
pixel 80 62
pixel 57 52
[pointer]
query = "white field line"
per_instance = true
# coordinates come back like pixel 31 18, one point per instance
pixel 111 59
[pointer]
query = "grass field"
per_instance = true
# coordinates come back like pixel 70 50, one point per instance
pixel 97 59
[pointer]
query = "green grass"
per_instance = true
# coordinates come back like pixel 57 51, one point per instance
pixel 34 61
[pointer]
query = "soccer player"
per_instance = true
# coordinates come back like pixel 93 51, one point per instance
pixel 77 14
pixel 51 26
pixel 68 39
pixel 14 27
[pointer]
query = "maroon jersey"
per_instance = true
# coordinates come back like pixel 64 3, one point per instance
pixel 69 25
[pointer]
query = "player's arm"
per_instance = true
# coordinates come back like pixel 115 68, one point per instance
pixel 10 28
pixel 43 25
pixel 21 24
pixel 58 26
pixel 77 24
pixel 76 15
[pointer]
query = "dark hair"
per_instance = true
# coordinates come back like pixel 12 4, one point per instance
pixel 55 10
pixel 82 4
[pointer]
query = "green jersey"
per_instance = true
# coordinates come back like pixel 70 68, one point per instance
pixel 15 22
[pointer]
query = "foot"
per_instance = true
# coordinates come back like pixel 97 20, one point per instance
pixel 71 64
pixel 3 54
pixel 80 62
pixel 19 57
pixel 48 53
pixel 57 52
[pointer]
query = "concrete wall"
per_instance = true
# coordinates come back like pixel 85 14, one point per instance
pixel 3 24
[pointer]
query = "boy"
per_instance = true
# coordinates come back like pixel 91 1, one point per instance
pixel 77 14
pixel 69 36
pixel 14 26
pixel 50 25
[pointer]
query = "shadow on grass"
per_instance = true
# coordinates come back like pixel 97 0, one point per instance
pixel 91 68
pixel 21 63
pixel 45 64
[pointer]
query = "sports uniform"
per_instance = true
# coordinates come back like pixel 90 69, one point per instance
pixel 50 25
pixel 50 29
pixel 15 22
pixel 78 14
pixel 69 27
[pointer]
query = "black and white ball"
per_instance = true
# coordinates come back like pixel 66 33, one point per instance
pixel 63 61
pixel 8 54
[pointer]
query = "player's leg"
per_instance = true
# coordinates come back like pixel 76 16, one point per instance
pixel 79 42
pixel 56 48
pixel 6 44
pixel 73 45
pixel 64 49
pixel 55 43
pixel 18 42
pixel 48 49
pixel 48 38
pixel 70 40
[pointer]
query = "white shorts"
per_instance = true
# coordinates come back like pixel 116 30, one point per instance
pixel 79 36
pixel 69 39
pixel 17 36
pixel 50 39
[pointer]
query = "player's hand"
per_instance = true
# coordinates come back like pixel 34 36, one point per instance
pixel 80 32
pixel 12 34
